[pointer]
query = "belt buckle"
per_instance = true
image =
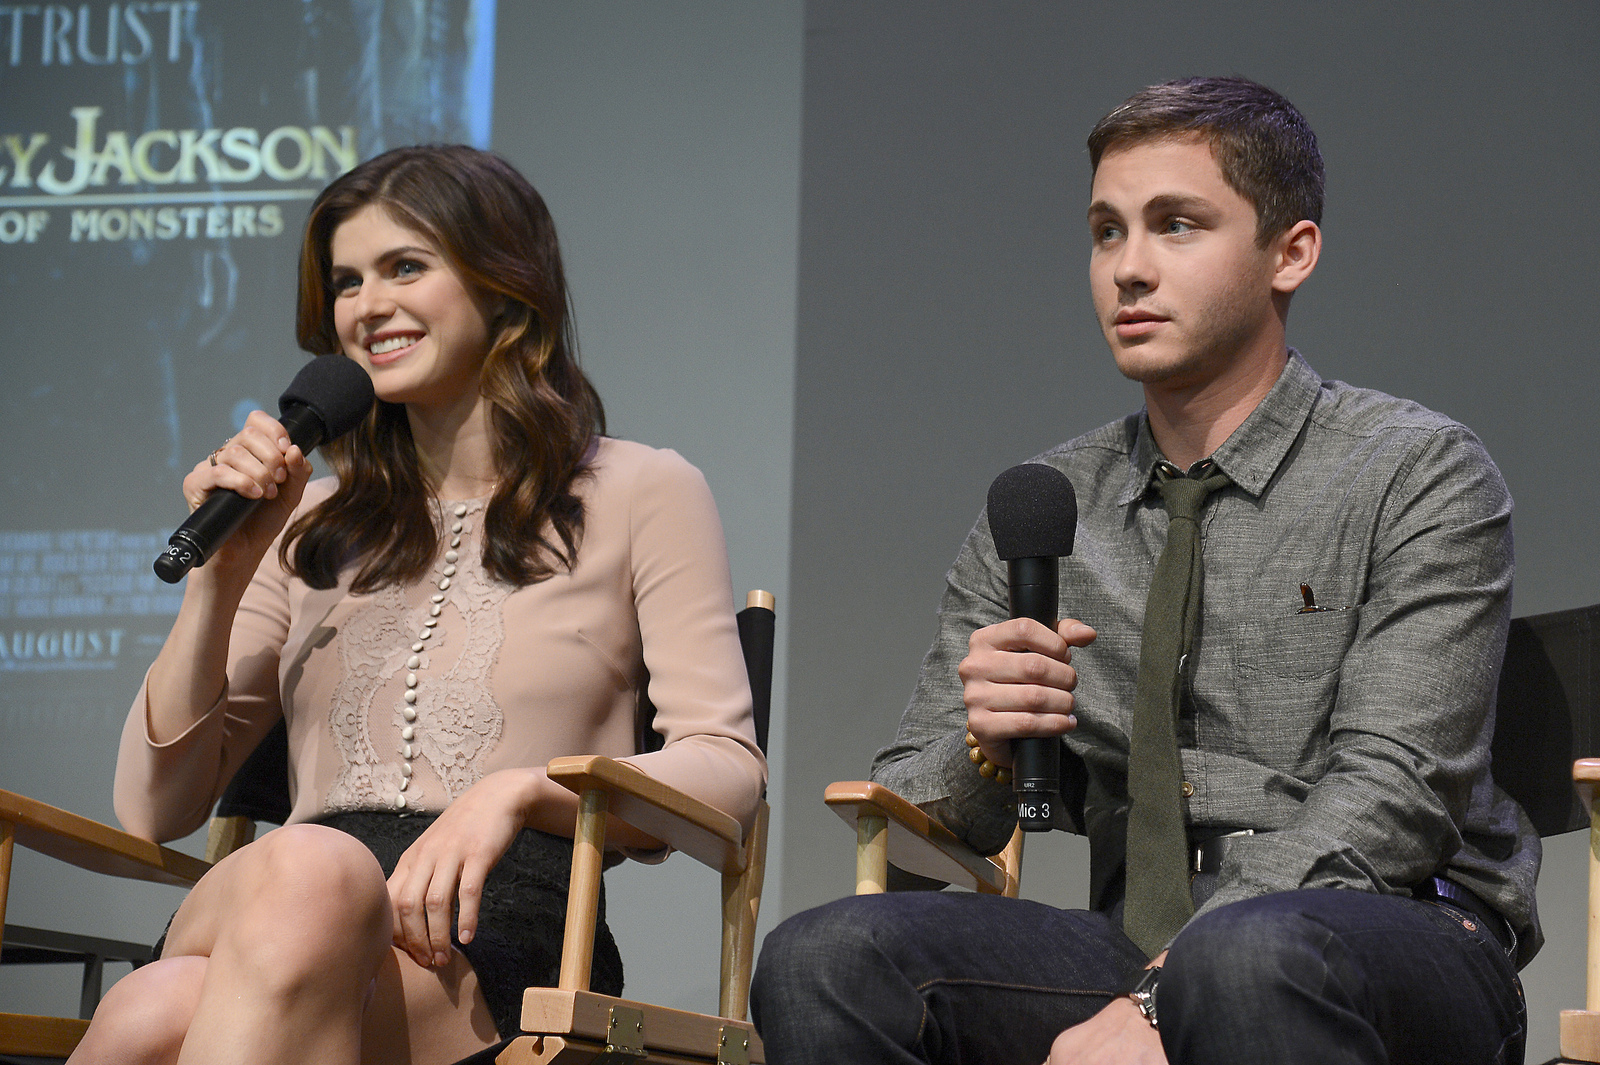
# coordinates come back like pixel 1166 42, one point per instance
pixel 1206 856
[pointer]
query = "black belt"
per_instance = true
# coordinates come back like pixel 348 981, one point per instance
pixel 1446 892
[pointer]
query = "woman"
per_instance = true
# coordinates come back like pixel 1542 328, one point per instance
pixel 485 584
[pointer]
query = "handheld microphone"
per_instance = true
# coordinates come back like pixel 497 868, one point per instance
pixel 327 398
pixel 1033 514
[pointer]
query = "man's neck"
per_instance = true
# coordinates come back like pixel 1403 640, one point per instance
pixel 1190 422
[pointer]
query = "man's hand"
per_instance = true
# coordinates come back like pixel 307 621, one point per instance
pixel 1017 681
pixel 1117 1035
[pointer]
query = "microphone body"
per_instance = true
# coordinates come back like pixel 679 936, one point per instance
pixel 1036 761
pixel 224 510
pixel 327 398
pixel 1033 516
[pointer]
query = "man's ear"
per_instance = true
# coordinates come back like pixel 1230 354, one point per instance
pixel 1296 249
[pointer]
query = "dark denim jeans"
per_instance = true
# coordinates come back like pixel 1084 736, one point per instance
pixel 1306 977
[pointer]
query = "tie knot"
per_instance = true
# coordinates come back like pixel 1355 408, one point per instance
pixel 1185 495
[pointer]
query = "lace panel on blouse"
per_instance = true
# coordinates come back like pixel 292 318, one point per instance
pixel 457 721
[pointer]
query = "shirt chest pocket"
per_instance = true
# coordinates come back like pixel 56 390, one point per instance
pixel 1287 672
pixel 1296 646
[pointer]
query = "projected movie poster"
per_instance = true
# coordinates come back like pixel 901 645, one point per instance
pixel 157 158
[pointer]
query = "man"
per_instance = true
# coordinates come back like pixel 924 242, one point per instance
pixel 1360 891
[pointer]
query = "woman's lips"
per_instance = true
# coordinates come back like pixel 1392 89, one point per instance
pixel 393 354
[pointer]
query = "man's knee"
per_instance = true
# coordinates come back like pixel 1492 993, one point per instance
pixel 811 949
pixel 1237 960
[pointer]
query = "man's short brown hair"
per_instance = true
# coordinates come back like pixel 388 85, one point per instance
pixel 1262 144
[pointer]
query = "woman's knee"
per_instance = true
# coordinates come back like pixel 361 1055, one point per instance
pixel 143 1018
pixel 302 898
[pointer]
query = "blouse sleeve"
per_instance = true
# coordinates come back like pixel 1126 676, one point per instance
pixel 684 598
pixel 164 791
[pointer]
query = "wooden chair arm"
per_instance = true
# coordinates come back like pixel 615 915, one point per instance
pixel 681 821
pixel 1586 774
pixel 98 848
pixel 1580 1029
pixel 915 842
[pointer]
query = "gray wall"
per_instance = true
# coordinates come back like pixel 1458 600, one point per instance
pixel 666 138
pixel 945 330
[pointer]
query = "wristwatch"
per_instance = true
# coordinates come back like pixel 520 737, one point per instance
pixel 1143 993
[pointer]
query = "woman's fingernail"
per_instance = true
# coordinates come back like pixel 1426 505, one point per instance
pixel 441 959
pixel 466 935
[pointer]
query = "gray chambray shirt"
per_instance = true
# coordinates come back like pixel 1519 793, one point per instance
pixel 1355 740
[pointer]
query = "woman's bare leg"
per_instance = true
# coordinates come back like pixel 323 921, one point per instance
pixel 281 954
pixel 294 927
pixel 143 1018
pixel 424 1016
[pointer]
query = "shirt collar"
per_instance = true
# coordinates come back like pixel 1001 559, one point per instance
pixel 1255 450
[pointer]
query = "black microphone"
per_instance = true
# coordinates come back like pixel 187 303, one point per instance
pixel 327 398
pixel 1033 514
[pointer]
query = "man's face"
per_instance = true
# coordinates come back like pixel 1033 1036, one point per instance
pixel 1180 287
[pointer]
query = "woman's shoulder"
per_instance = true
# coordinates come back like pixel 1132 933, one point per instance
pixel 618 463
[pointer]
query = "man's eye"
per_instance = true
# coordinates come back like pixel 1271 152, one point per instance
pixel 1178 226
pixel 1106 234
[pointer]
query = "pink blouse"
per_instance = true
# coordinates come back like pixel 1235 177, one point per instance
pixel 403 698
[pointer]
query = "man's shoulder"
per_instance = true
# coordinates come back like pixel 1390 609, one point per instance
pixel 1108 447
pixel 1357 411
pixel 1350 425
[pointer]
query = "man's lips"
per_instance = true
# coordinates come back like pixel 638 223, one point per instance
pixel 1131 324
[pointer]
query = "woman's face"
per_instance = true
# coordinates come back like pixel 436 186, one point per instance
pixel 403 312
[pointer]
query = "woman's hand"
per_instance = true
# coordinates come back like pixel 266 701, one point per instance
pixel 1017 681
pixel 452 858
pixel 259 462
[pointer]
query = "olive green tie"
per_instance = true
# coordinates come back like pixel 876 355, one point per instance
pixel 1157 901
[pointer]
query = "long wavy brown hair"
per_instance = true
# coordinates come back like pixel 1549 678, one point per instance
pixel 494 228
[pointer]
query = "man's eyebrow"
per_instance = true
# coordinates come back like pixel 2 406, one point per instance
pixel 1179 202
pixel 1166 203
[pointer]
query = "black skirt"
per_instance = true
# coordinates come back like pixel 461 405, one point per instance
pixel 521 917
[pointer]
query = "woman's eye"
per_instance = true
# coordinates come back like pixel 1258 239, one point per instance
pixel 342 285
pixel 407 267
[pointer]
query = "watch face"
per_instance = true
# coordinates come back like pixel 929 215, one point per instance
pixel 1144 994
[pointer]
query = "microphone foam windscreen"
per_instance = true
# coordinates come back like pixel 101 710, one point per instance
pixel 1033 512
pixel 336 389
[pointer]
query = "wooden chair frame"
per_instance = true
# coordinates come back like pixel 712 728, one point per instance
pixel 88 845
pixel 569 1023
